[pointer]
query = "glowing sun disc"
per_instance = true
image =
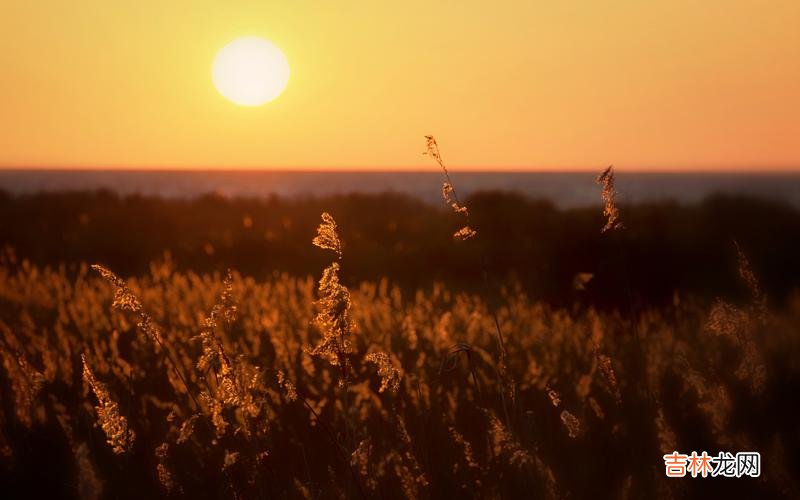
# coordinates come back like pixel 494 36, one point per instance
pixel 250 71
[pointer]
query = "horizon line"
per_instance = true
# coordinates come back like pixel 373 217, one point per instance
pixel 411 170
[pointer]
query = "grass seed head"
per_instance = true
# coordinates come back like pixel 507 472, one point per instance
pixel 609 195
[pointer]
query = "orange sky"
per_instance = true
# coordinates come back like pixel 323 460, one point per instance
pixel 528 84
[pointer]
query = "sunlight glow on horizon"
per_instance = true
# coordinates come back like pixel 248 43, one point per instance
pixel 538 85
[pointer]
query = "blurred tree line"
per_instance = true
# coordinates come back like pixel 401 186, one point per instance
pixel 666 251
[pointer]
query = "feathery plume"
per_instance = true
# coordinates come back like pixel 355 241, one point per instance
pixel 165 476
pixel 727 320
pixel 504 444
pixel 609 195
pixel 327 235
pixel 554 397
pixel 432 150
pixel 390 376
pixel 607 369
pixel 469 456
pixel 187 429
pixel 449 198
pixel 118 434
pixel 465 233
pixel 333 318
pixel 449 191
pixel 125 300
pixel 571 422
pixel 595 406
pixel 26 383
pixel 214 355
pixel 290 391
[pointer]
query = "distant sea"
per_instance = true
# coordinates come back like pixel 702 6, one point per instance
pixel 565 189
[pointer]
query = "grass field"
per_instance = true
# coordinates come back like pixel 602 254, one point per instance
pixel 207 384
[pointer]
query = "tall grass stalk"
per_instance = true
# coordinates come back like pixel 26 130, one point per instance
pixel 505 381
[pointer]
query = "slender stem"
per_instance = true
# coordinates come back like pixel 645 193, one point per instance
pixel 433 151
pixel 342 451
pixel 146 320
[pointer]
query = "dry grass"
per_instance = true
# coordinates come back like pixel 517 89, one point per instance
pixel 609 196
pixel 271 417
pixel 222 386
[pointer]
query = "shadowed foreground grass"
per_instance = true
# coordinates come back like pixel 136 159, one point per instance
pixel 221 390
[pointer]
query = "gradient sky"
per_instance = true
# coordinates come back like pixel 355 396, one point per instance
pixel 530 84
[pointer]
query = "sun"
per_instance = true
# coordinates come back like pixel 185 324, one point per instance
pixel 250 71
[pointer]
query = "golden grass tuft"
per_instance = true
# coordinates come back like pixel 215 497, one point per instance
pixel 118 434
pixel 609 195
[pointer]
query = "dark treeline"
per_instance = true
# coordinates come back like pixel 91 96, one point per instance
pixel 666 248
